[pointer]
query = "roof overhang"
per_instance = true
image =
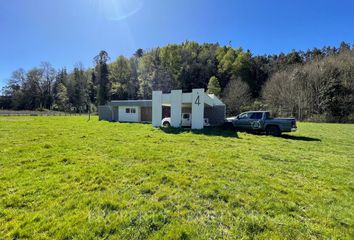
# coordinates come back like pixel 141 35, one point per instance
pixel 187 99
pixel 137 103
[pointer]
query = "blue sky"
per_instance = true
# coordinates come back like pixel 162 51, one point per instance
pixel 65 32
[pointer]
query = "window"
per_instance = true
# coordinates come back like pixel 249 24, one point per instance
pixel 244 116
pixel 130 110
pixel 267 114
pixel 186 115
pixel 257 115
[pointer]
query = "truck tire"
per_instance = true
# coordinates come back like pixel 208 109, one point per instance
pixel 166 124
pixel 273 131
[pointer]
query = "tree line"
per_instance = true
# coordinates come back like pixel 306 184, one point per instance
pixel 317 84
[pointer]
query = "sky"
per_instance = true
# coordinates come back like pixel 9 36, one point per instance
pixel 68 32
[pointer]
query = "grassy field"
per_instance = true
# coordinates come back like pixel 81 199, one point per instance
pixel 66 178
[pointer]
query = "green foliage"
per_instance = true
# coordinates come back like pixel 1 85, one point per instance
pixel 120 76
pixel 324 87
pixel 214 86
pixel 66 178
pixel 102 78
pixel 80 98
pixel 61 98
pixel 286 77
pixel 145 76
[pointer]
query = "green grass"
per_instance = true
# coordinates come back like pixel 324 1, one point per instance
pixel 66 178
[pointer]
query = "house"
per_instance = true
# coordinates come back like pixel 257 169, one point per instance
pixel 126 111
pixel 198 103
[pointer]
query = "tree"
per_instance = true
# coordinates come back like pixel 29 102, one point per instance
pixel 322 89
pixel 92 86
pixel 139 53
pixel 344 47
pixel 80 96
pixel 33 89
pixel 161 79
pixel 14 89
pixel 120 78
pixel 48 74
pixel 226 57
pixel 214 86
pixel 171 58
pixel 102 76
pixel 145 76
pixel 236 96
pixel 60 91
pixel 133 86
pixel 61 98
pixel 314 84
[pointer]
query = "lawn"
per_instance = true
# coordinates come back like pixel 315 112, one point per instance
pixel 69 178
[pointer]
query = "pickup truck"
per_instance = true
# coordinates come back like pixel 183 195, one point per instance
pixel 186 121
pixel 261 121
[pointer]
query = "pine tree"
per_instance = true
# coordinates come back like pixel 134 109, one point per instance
pixel 102 74
pixel 214 86
pixel 61 97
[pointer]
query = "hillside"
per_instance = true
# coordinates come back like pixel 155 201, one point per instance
pixel 315 85
pixel 66 177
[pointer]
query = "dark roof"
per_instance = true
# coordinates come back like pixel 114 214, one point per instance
pixel 139 103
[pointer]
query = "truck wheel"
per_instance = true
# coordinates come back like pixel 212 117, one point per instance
pixel 166 124
pixel 273 131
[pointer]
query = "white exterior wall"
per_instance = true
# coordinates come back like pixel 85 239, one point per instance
pixel 156 108
pixel 198 99
pixel 198 108
pixel 129 117
pixel 176 108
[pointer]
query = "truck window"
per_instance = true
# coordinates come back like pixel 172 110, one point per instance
pixel 257 115
pixel 267 115
pixel 244 116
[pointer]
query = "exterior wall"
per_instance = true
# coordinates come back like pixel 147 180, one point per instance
pixel 216 115
pixel 129 117
pixel 115 117
pixel 146 114
pixel 176 108
pixel 104 113
pixel 198 108
pixel 156 108
pixel 198 103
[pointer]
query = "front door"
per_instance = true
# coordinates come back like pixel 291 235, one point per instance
pixel 186 120
pixel 256 121
pixel 146 114
pixel 242 121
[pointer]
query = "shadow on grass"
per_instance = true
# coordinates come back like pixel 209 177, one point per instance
pixel 301 138
pixel 209 131
pixel 291 137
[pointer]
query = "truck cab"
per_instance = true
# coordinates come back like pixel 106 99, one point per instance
pixel 261 121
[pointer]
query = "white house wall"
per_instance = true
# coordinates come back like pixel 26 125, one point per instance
pixel 165 99
pixel 198 108
pixel 129 117
pixel 176 108
pixel 156 108
pixel 198 99
pixel 186 97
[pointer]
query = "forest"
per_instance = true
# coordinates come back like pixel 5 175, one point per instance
pixel 312 85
